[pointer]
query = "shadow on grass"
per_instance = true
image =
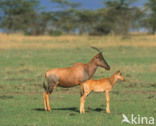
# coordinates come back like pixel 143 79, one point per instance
pixel 74 109
pixel 96 109
pixel 38 109
pixel 6 97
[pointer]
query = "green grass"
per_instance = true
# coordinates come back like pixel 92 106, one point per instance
pixel 22 72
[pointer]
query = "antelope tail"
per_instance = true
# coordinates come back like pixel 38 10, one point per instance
pixel 45 86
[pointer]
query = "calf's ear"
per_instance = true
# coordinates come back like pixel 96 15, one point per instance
pixel 118 71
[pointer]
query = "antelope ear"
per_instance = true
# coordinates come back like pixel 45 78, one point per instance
pixel 118 71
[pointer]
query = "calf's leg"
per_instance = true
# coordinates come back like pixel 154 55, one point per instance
pixel 107 99
pixel 82 101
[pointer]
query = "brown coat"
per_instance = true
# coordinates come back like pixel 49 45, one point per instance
pixel 102 85
pixel 71 76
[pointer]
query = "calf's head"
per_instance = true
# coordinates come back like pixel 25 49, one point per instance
pixel 119 75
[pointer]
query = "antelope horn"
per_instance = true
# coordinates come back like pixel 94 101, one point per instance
pixel 96 49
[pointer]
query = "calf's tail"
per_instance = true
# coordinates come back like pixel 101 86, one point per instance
pixel 81 89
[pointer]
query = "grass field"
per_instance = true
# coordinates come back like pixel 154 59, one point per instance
pixel 24 61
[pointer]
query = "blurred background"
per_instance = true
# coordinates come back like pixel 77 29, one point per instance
pixel 57 17
pixel 38 35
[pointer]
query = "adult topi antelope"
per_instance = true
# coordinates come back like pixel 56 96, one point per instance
pixel 71 76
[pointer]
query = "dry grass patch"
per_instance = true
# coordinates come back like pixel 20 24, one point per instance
pixel 16 41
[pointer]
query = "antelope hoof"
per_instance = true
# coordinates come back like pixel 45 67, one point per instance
pixel 82 112
pixel 49 110
pixel 108 111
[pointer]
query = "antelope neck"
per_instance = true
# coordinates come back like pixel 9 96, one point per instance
pixel 113 79
pixel 91 67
